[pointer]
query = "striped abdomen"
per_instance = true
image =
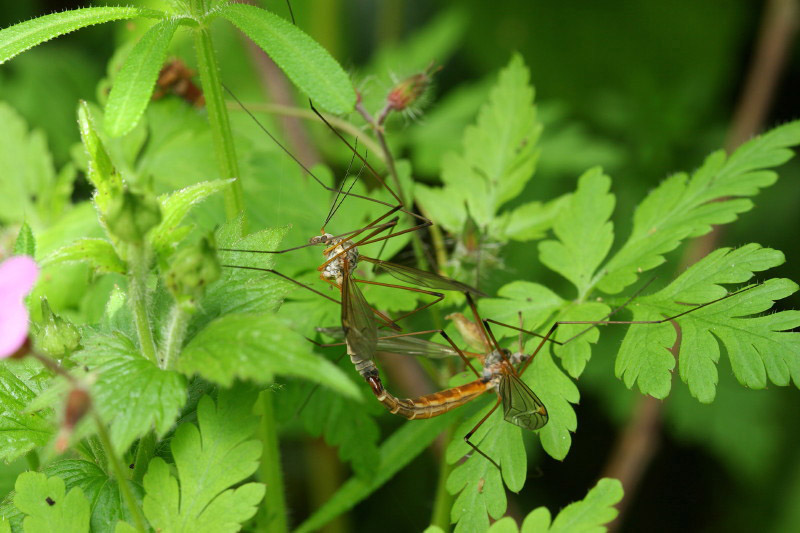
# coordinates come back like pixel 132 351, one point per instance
pixel 430 405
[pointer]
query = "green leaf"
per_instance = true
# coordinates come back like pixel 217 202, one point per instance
pixel 25 243
pixel 396 452
pixel 759 347
pixel 584 232
pixel 529 221
pixel 20 37
pixel 306 63
pixel 444 205
pixel 586 516
pixel 499 154
pixel 682 206
pixel 208 461
pixel 131 394
pixel 257 347
pixel 47 505
pixel 101 173
pixel 134 84
pixel 98 253
pixel 557 393
pixel 477 481
pixel 20 432
pixel 174 208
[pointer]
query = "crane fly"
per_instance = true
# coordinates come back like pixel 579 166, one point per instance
pixel 502 370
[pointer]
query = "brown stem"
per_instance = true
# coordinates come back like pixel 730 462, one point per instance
pixel 637 444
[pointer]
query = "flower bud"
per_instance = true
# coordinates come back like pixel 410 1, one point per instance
pixel 56 336
pixel 409 91
pixel 192 269
pixel 131 215
pixel 78 404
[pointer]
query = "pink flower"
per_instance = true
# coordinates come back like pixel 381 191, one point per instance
pixel 17 276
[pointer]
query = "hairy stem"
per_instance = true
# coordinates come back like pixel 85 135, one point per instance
pixel 119 473
pixel 144 452
pixel 217 113
pixel 272 515
pixel 174 335
pixel 138 263
pixel 32 458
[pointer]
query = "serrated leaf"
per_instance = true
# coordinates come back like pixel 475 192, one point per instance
pixel 20 37
pixel 209 458
pixel 584 232
pixel 585 516
pixel 135 82
pixel 257 347
pixel 682 206
pixel 131 394
pixel 396 452
pixel 48 506
pixel 101 171
pixel 98 253
pixel 759 348
pixel 20 383
pixel 174 208
pixel 306 63
pixel 477 482
pixel 443 205
pixel 25 243
pixel 529 221
pixel 557 393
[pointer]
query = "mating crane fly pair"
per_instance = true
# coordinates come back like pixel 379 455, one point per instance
pixel 501 369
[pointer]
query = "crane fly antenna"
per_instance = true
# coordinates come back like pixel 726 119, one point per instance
pixel 339 193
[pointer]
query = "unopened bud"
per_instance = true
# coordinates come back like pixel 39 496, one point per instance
pixel 131 215
pixel 56 336
pixel 78 404
pixel 409 91
pixel 192 269
pixel 473 333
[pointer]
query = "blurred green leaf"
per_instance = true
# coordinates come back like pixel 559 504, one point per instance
pixel 135 82
pixel 48 506
pixel 131 394
pixel 209 459
pixel 20 383
pixel 306 63
pixel 101 171
pixel 98 253
pixel 584 232
pixel 684 206
pixel 20 37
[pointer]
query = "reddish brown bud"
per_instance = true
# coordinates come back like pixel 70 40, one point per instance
pixel 78 404
pixel 409 91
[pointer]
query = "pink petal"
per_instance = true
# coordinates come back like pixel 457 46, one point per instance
pixel 13 328
pixel 17 276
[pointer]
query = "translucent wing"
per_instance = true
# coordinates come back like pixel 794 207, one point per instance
pixel 521 406
pixel 403 345
pixel 416 276
pixel 358 322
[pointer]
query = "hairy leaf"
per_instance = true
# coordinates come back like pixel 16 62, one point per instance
pixel 134 84
pixel 306 63
pixel 131 393
pixel 25 243
pixel 101 171
pixel 20 37
pixel 20 383
pixel 209 459
pixel 684 206
pixel 98 253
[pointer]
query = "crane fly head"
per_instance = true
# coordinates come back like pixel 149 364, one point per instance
pixel 341 257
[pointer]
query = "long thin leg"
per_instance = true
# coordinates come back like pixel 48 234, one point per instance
pixel 438 295
pixel 287 278
pixel 473 430
pixel 494 341
pixel 460 353
pixel 384 318
pixel 478 319
pixel 521 331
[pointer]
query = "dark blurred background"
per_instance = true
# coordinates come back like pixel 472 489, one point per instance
pixel 644 89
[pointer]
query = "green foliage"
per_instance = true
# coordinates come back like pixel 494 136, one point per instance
pixel 209 459
pixel 304 61
pixel 47 505
pixel 136 80
pixel 20 431
pixel 25 243
pixel 98 253
pixel 20 37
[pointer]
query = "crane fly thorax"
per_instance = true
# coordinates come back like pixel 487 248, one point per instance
pixel 336 255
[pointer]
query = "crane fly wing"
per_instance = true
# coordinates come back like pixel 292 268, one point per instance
pixel 358 322
pixel 521 406
pixel 402 345
pixel 416 276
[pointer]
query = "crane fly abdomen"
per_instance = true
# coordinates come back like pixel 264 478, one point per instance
pixel 430 405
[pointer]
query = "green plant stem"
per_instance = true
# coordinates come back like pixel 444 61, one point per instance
pixel 217 113
pixel 443 501
pixel 272 515
pixel 32 458
pixel 174 335
pixel 119 473
pixel 138 263
pixel 144 452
